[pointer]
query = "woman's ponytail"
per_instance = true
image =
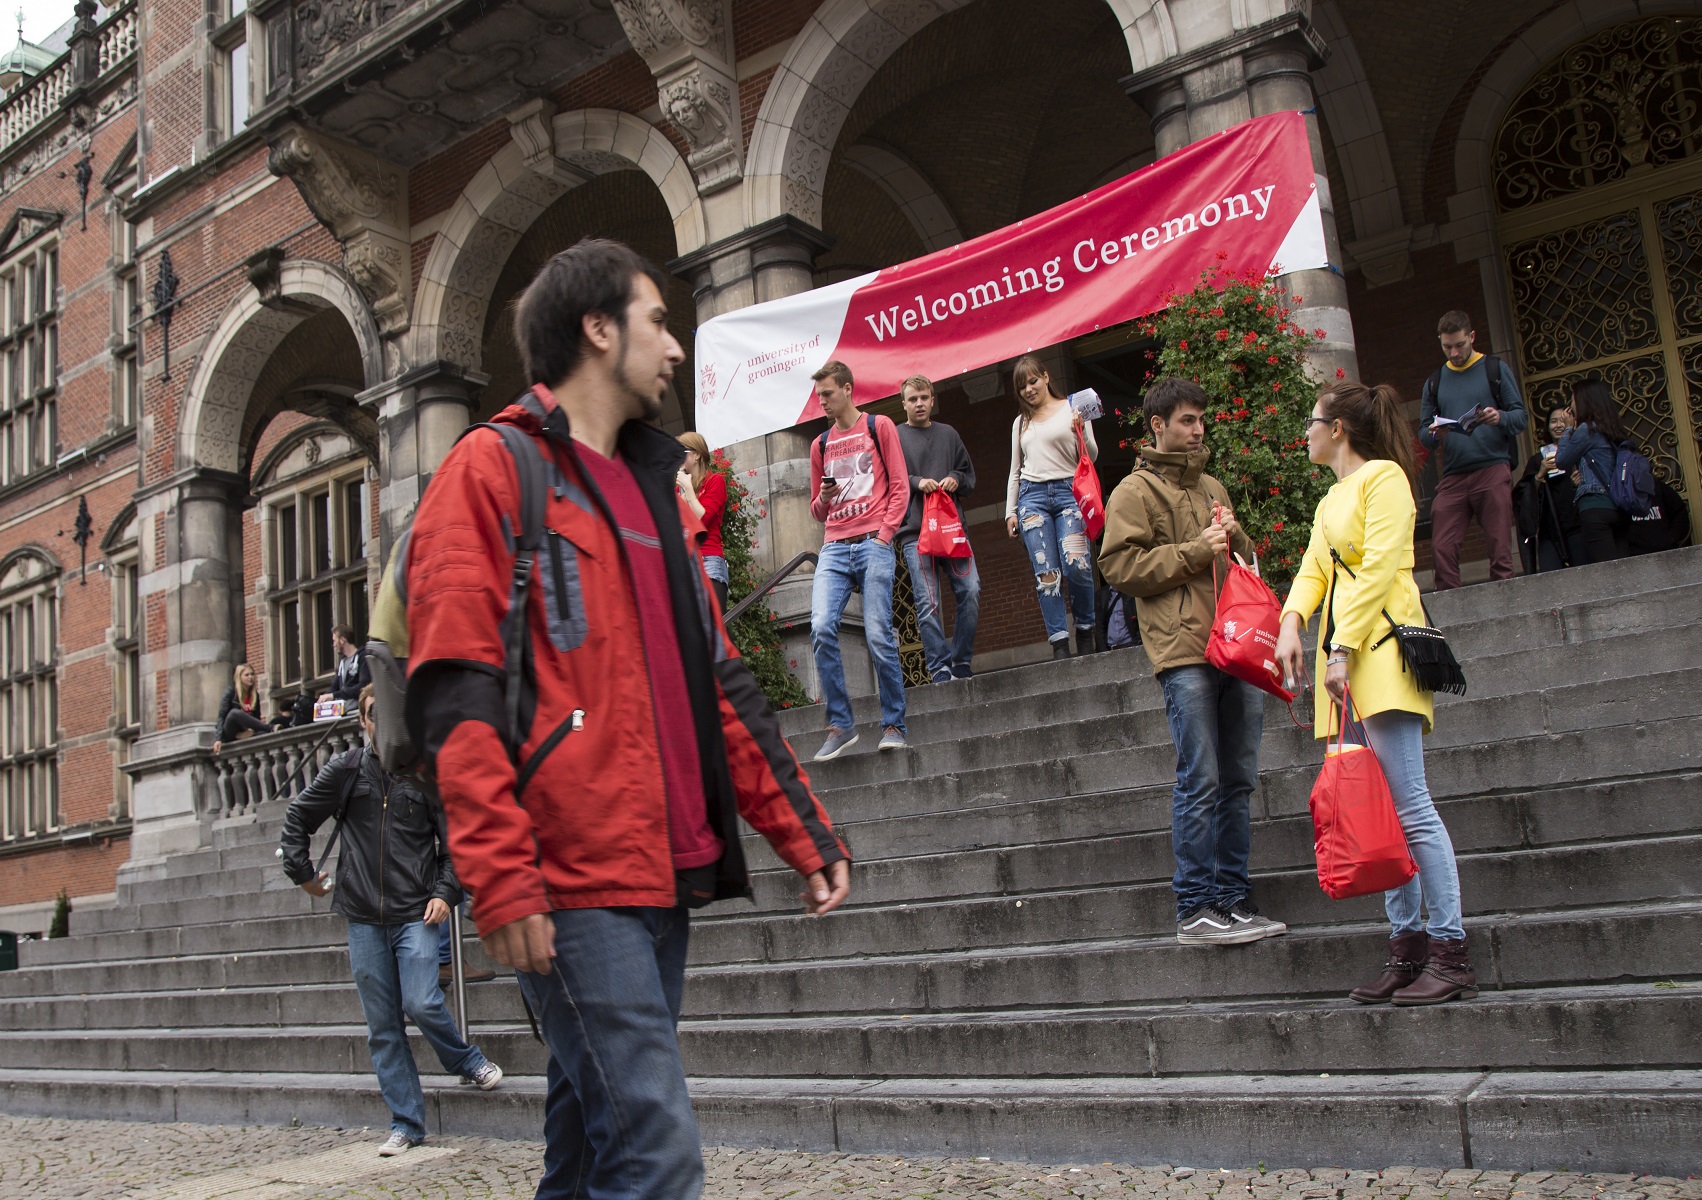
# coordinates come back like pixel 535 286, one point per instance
pixel 1375 422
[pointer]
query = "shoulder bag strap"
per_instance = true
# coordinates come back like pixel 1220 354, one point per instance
pixel 1393 627
pixel 342 810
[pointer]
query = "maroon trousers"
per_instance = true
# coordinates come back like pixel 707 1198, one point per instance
pixel 1486 495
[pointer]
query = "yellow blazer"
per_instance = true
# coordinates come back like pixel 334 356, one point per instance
pixel 1368 517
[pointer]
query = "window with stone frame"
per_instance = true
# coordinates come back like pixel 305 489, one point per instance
pixel 316 525
pixel 29 358
pixel 124 569
pixel 231 76
pixel 126 319
pixel 29 697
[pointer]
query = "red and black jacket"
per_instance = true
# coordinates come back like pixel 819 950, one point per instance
pixel 576 817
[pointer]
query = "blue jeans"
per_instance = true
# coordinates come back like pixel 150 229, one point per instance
pixel 842 567
pixel 1052 529
pixel 1216 721
pixel 618 1121
pixel 1397 738
pixel 395 970
pixel 944 659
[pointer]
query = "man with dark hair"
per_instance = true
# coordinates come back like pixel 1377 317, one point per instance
pixel 394 881
pixel 352 671
pixel 1165 526
pixel 859 491
pixel 593 813
pixel 1472 407
pixel 937 461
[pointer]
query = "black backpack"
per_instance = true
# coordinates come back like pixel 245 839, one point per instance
pixel 1492 367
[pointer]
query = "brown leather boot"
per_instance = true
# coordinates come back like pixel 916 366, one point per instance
pixel 1407 952
pixel 1447 976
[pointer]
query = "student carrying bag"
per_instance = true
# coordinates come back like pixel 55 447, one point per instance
pixel 1357 835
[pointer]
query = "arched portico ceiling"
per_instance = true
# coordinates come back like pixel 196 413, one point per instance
pixel 226 370
pixel 507 195
pixel 905 185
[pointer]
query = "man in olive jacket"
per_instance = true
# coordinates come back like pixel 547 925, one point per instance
pixel 395 882
pixel 1164 527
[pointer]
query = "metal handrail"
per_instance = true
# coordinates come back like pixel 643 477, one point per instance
pixel 768 585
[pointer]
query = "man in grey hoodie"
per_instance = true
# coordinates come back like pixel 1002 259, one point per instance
pixel 937 461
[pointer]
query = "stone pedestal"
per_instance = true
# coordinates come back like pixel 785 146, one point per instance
pixel 1254 72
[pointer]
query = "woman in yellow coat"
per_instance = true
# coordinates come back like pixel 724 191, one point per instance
pixel 1367 520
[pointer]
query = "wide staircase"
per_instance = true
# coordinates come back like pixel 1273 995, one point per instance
pixel 1005 980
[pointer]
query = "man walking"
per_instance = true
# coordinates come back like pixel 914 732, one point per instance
pixel 394 882
pixel 1472 408
pixel 1165 525
pixel 859 490
pixel 591 814
pixel 937 461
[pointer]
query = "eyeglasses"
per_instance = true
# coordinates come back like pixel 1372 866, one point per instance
pixel 1319 421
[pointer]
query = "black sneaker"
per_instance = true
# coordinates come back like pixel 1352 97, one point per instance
pixel 1210 926
pixel 1247 917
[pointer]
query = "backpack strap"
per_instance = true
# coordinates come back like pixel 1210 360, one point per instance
pixel 869 423
pixel 1492 368
pixel 342 809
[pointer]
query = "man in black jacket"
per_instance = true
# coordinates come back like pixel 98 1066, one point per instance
pixel 353 673
pixel 397 882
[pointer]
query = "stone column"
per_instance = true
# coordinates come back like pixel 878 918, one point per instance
pixel 420 414
pixel 1254 72
pixel 190 543
pixel 767 262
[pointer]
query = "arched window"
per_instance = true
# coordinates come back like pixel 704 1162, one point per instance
pixel 29 696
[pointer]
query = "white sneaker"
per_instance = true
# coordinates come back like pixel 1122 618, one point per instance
pixel 399 1143
pixel 486 1077
pixel 1210 926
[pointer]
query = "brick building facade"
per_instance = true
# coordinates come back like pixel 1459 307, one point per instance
pixel 305 223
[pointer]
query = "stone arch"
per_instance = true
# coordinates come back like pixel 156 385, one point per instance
pixel 1361 145
pixel 216 400
pixel 122 532
pixel 905 185
pixel 502 200
pixel 839 50
pixel 27 564
pixel 1472 205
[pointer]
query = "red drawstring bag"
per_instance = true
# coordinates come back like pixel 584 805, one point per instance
pixel 942 533
pixel 1244 635
pixel 1090 498
pixel 1357 835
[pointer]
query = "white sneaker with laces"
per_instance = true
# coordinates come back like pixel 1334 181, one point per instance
pixel 399 1143
pixel 486 1077
pixel 1210 926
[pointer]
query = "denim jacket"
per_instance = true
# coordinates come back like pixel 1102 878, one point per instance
pixel 1584 445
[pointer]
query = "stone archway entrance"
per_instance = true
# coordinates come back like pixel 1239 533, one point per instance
pixel 1598 185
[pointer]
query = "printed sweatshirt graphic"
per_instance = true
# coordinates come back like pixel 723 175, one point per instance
pixel 868 498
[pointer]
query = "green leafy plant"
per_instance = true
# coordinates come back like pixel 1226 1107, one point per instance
pixel 61 926
pixel 757 632
pixel 1234 335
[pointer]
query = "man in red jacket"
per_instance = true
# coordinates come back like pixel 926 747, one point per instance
pixel 586 844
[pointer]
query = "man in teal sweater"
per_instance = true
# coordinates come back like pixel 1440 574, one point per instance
pixel 1471 408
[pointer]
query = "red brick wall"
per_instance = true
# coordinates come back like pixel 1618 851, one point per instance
pixel 759 24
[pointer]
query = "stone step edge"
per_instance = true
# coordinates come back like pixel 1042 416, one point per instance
pixel 1619 1121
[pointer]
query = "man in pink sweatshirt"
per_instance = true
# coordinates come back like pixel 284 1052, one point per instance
pixel 863 504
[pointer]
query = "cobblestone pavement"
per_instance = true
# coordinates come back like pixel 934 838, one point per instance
pixel 48 1159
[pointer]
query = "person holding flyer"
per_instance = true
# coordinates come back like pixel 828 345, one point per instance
pixel 1041 507
pixel 937 461
pixel 1359 568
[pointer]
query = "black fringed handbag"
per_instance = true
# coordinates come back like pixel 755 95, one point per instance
pixel 1424 650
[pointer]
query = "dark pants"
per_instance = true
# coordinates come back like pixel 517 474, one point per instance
pixel 1604 532
pixel 1485 495
pixel 238 721
pixel 1216 721
pixel 618 1120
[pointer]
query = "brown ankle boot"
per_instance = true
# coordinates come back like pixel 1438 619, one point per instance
pixel 1407 952
pixel 1447 976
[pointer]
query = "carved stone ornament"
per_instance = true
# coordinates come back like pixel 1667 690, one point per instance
pixel 667 32
pixel 363 201
pixel 700 104
pixel 532 127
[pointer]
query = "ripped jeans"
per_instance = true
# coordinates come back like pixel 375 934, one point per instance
pixel 1053 531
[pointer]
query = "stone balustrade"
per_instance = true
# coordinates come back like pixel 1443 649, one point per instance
pixel 247 773
pixel 39 99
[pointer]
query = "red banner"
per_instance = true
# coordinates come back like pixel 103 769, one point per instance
pixel 1244 199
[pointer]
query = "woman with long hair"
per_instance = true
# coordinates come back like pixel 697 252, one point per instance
pixel 239 709
pixel 1359 566
pixel 1040 504
pixel 1590 450
pixel 705 491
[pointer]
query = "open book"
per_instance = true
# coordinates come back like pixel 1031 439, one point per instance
pixel 1464 424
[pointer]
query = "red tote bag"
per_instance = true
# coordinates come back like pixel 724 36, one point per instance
pixel 1090 498
pixel 1244 634
pixel 1358 838
pixel 942 533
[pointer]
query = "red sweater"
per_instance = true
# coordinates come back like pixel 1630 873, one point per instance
pixel 868 499
pixel 713 496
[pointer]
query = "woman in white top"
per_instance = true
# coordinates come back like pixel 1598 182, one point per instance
pixel 1040 504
